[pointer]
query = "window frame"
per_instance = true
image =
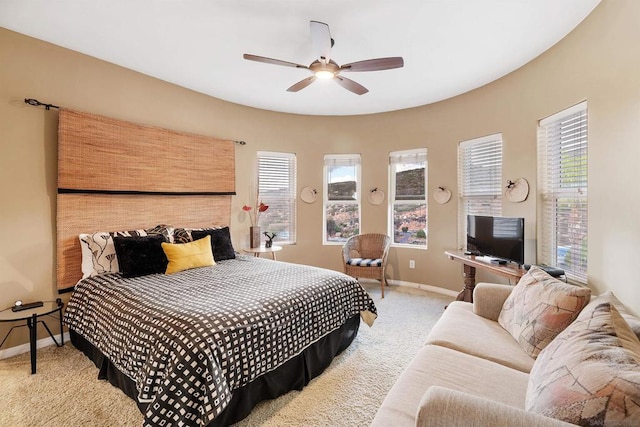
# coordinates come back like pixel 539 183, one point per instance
pixel 338 160
pixel 413 156
pixel 467 151
pixel 289 198
pixel 563 134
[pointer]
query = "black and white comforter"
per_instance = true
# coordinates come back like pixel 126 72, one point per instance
pixel 189 339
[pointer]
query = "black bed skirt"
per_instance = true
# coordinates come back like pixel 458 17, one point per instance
pixel 293 375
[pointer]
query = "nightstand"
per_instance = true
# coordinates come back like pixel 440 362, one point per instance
pixel 31 316
pixel 262 250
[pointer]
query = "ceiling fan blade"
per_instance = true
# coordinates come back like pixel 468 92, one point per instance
pixel 350 85
pixel 302 84
pixel 374 64
pixel 272 61
pixel 321 39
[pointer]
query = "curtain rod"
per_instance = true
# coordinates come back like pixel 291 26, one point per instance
pixel 36 103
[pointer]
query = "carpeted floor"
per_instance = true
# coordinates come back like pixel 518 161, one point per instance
pixel 66 392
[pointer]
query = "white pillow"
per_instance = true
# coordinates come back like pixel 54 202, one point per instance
pixel 87 262
pixel 101 254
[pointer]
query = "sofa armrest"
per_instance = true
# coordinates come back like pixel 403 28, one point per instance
pixel 488 299
pixel 443 407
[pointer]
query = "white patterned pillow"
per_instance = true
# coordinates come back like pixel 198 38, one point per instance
pixel 87 261
pixel 102 253
pixel 539 308
pixel 590 374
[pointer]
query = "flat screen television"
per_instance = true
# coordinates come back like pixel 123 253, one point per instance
pixel 496 237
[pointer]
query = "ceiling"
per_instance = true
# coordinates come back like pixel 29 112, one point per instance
pixel 449 46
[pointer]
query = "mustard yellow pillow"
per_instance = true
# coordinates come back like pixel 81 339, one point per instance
pixel 183 256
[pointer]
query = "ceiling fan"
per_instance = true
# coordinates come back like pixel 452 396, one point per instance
pixel 325 68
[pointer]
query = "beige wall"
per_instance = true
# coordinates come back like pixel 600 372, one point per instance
pixel 599 62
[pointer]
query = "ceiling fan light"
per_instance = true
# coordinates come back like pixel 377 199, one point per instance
pixel 324 74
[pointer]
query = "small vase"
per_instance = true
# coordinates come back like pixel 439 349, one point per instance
pixel 254 236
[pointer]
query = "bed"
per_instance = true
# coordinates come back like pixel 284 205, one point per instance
pixel 203 346
pixel 187 342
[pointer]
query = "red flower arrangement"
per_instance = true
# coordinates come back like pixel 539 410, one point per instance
pixel 259 209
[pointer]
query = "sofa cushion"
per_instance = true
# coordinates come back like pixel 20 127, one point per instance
pixel 590 374
pixel 445 407
pixel 539 308
pixel 460 329
pixel 439 366
pixel 488 299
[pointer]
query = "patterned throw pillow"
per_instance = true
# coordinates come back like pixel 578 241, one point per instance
pixel 182 235
pixel 99 246
pixel 590 374
pixel 162 229
pixel 632 321
pixel 539 308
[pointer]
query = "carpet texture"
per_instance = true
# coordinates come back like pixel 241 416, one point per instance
pixel 65 391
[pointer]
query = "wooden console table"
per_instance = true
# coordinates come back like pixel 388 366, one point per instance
pixel 472 262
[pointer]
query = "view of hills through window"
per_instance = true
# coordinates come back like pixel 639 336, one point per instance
pixel 343 220
pixel 409 206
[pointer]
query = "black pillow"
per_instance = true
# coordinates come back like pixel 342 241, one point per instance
pixel 139 256
pixel 220 242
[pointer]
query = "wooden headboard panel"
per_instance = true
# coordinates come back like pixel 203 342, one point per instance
pixel 115 175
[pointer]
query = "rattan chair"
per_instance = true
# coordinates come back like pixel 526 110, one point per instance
pixel 365 255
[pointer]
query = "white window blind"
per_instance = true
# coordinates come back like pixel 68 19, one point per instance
pixel 479 180
pixel 562 183
pixel 408 197
pixel 341 197
pixel 277 189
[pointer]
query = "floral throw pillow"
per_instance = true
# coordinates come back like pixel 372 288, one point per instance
pixel 539 308
pixel 103 254
pixel 590 374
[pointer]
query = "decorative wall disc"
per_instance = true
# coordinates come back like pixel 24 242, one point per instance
pixel 442 195
pixel 517 191
pixel 376 197
pixel 308 194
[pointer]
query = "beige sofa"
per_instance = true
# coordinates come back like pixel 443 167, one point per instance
pixel 471 372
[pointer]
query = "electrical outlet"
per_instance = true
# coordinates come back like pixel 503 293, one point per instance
pixel 412 264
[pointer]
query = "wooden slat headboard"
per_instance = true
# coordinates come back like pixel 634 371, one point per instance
pixel 100 153
pixel 115 175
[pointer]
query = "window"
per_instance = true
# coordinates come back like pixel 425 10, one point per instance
pixel 479 180
pixel 408 197
pixel 277 189
pixel 341 197
pixel 562 182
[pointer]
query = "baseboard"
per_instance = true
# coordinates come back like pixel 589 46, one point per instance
pixel 24 348
pixel 424 287
pixel 421 286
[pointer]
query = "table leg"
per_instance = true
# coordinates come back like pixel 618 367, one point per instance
pixel 273 256
pixel 469 284
pixel 32 323
pixel 60 305
pixel 61 331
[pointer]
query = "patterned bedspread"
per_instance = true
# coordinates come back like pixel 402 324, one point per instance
pixel 189 339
